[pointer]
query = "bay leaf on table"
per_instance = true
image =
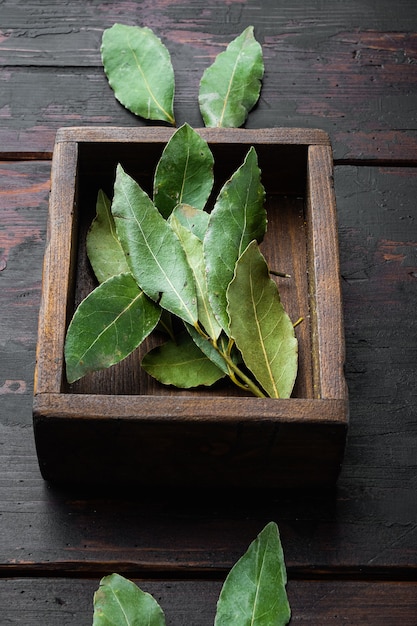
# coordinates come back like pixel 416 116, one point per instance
pixel 119 601
pixel 254 590
pixel 139 70
pixel 230 87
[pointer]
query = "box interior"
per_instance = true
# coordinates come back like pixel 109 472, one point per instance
pixel 284 172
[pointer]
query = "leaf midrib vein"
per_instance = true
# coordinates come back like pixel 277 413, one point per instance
pixel 229 88
pixel 261 340
pixel 125 310
pixel 163 271
pixel 148 87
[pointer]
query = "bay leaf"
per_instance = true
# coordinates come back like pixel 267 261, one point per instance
pixel 254 593
pixel 230 87
pixel 184 173
pixel 139 70
pixel 108 325
pixel 104 250
pixel 154 253
pixel 195 220
pixel 238 217
pixel 193 248
pixel 120 602
pixel 260 326
pixel 181 363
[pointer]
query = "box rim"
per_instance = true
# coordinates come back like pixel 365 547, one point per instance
pixel 66 152
pixel 157 134
pixel 324 411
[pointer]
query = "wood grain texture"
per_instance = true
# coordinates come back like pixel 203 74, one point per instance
pixel 347 70
pixel 368 522
pixel 59 254
pixel 24 190
pixel 323 253
pixel 192 603
pixel 379 260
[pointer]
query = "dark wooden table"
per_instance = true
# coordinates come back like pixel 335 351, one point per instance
pixel 349 68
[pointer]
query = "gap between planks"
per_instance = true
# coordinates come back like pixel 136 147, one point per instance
pixel 357 162
pixel 93 570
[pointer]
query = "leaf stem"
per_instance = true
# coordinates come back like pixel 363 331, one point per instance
pixel 248 382
pixel 245 382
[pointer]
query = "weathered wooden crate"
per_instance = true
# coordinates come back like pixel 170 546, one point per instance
pixel 120 426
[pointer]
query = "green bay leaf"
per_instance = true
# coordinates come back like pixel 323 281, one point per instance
pixel 104 250
pixel 193 248
pixel 195 220
pixel 260 326
pixel 184 174
pixel 119 601
pixel 181 363
pixel 238 217
pixel 230 87
pixel 254 590
pixel 153 251
pixel 208 349
pixel 213 353
pixel 139 70
pixel 108 325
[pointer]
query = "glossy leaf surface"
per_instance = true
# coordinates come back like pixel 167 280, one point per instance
pixel 181 363
pixel 155 255
pixel 108 325
pixel 104 250
pixel 193 248
pixel 139 70
pixel 184 174
pixel 230 87
pixel 254 592
pixel 238 217
pixel 119 602
pixel 260 326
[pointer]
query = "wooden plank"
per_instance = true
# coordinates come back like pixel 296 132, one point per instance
pixel 69 601
pixel 369 522
pixel 204 532
pixel 218 138
pixel 24 192
pixel 59 253
pixel 323 253
pixel 348 71
pixel 54 34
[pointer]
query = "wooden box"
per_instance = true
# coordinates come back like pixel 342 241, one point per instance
pixel 120 426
